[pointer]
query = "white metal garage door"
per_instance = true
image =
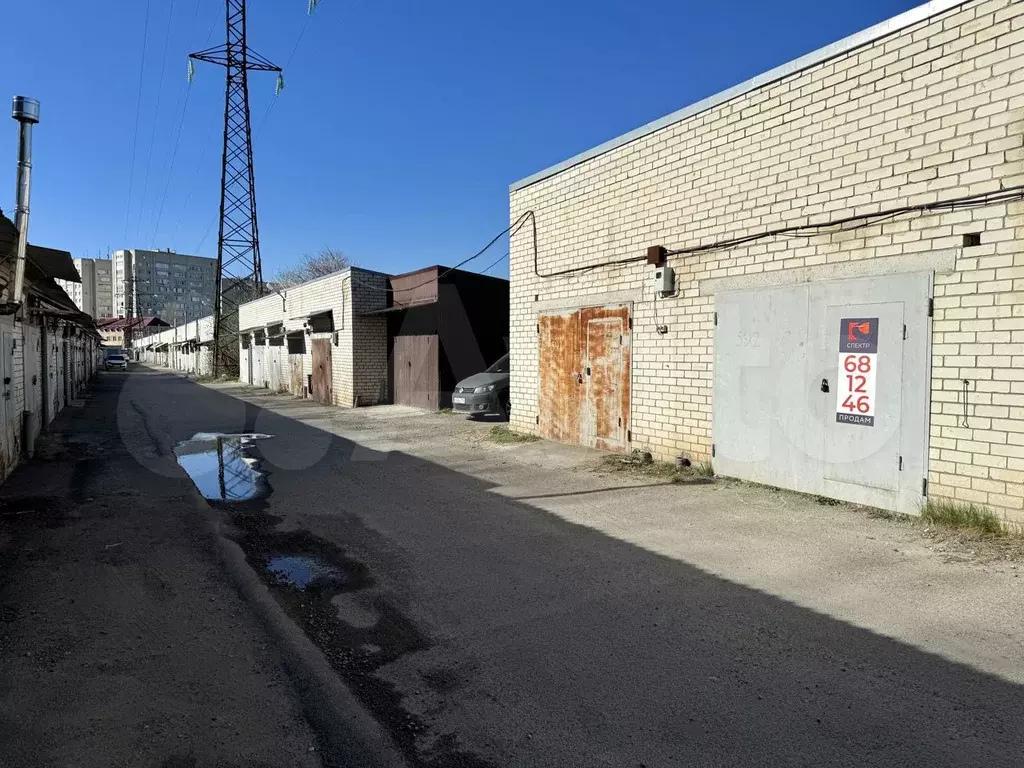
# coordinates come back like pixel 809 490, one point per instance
pixel 823 388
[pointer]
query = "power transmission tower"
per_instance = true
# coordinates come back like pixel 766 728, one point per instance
pixel 239 271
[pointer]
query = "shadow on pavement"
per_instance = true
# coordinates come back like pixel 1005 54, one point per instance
pixel 483 631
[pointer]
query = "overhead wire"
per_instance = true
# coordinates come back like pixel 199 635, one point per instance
pixel 156 117
pixel 491 266
pixel 1008 194
pixel 177 136
pixel 510 231
pixel 202 154
pixel 309 15
pixel 287 63
pixel 138 112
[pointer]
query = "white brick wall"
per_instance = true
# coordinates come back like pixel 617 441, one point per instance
pixel 931 112
pixel 359 359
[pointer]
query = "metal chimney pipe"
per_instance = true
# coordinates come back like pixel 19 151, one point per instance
pixel 26 112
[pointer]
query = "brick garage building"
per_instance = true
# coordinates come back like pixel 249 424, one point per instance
pixel 892 164
pixel 444 325
pixel 316 340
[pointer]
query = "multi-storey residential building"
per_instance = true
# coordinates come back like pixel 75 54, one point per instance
pixel 94 295
pixel 170 285
pixel 103 287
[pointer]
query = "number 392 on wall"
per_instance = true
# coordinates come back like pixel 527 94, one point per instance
pixel 858 364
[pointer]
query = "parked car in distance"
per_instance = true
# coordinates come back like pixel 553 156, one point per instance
pixel 484 393
pixel 116 363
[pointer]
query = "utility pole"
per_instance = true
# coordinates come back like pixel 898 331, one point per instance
pixel 129 301
pixel 239 271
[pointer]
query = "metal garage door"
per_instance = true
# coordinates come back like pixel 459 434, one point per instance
pixel 416 371
pixel 585 375
pixel 823 388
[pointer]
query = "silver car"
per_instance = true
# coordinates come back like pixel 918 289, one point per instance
pixel 484 393
pixel 116 363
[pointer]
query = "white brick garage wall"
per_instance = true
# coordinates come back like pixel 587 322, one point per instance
pixel 359 356
pixel 928 112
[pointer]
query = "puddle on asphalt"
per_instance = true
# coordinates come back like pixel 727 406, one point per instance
pixel 300 571
pixel 220 466
pixel 333 597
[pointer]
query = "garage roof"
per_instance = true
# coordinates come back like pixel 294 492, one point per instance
pixel 869 35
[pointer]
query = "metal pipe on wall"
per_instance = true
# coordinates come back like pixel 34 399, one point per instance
pixel 26 112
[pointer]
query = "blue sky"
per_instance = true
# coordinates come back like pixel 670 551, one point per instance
pixel 402 122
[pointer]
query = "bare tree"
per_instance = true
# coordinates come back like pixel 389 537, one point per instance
pixel 311 266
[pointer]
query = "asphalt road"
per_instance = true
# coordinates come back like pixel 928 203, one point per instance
pixel 121 641
pixel 482 631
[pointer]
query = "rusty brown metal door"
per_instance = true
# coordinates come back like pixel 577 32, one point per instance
pixel 585 358
pixel 416 371
pixel 296 374
pixel 322 376
pixel 561 377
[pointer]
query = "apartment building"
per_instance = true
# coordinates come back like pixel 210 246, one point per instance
pixel 95 294
pixel 173 286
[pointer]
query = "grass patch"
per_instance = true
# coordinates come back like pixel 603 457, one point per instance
pixel 642 463
pixel 963 517
pixel 504 435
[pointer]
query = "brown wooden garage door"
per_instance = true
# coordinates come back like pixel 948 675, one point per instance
pixel 585 376
pixel 416 371
pixel 322 374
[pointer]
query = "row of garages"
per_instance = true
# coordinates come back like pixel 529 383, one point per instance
pixel 813 280
pixel 356 337
pixel 187 347
pixel 49 350
pixel 359 337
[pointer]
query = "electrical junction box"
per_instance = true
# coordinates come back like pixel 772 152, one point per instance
pixel 664 280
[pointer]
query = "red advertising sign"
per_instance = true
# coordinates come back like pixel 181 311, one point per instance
pixel 858 364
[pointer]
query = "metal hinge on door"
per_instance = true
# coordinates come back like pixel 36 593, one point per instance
pixel 924 487
pixel 620 421
pixel 901 463
pixel 716 319
pixel 904 331
pixel 712 450
pixel 931 307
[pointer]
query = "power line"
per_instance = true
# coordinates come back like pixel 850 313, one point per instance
pixel 287 63
pixel 510 230
pixel 177 135
pixel 156 117
pixel 138 111
pixel 797 230
pixel 202 155
pixel 170 169
pixel 490 266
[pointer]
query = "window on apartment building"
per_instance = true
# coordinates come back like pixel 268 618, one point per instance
pixel 160 264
